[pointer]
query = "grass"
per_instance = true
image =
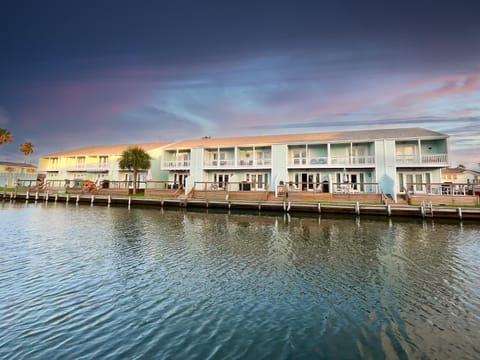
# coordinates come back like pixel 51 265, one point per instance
pixel 2 189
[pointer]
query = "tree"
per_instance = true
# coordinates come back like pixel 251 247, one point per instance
pixel 26 148
pixel 135 159
pixel 6 136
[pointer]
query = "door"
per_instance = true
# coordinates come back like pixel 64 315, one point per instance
pixel 304 181
pixel 311 182
pixel 221 180
pixel 179 180
pixel 409 181
pixel 353 181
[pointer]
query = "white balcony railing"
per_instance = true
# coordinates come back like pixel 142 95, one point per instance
pixel 219 163
pixel 52 168
pixel 427 159
pixel 353 160
pixel 176 164
pixel 88 167
pixel 435 159
pixel 254 162
pixel 334 161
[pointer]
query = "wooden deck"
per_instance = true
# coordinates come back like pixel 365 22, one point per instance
pixel 354 209
pixel 460 200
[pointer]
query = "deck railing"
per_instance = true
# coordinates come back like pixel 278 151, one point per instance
pixel 342 188
pixel 163 185
pixel 230 186
pixel 78 184
pixel 420 188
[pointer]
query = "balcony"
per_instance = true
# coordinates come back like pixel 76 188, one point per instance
pixel 99 167
pixel 423 160
pixel 52 168
pixel 335 161
pixel 239 164
pixel 176 165
pixel 249 163
pixel 215 164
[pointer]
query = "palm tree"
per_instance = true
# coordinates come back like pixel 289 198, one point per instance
pixel 135 159
pixel 6 136
pixel 26 148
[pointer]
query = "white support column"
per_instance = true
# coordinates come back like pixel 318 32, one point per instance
pixel 351 153
pixel 419 151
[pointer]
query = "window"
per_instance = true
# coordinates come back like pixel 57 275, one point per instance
pixel 299 157
pixel 219 158
pixel 263 157
pixel 357 154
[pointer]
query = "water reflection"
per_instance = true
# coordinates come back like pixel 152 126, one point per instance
pixel 156 283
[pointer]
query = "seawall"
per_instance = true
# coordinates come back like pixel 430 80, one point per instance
pixel 355 209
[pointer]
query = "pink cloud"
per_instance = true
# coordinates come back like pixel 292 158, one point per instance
pixel 450 87
pixel 91 100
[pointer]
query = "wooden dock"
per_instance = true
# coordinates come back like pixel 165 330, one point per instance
pixel 355 209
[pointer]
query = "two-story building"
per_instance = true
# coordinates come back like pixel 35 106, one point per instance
pixel 460 175
pixel 97 163
pixel 11 172
pixel 392 161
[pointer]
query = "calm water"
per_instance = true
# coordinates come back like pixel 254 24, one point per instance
pixel 81 282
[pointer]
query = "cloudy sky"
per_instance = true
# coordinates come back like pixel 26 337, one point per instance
pixel 75 73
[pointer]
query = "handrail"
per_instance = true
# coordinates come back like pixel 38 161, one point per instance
pixel 335 187
pixel 230 186
pixel 456 189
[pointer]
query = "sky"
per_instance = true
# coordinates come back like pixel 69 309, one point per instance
pixel 77 73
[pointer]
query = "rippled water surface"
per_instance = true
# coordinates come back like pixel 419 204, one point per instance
pixel 81 282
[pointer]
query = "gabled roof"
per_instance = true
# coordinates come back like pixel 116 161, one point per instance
pixel 459 170
pixel 19 164
pixel 106 150
pixel 337 136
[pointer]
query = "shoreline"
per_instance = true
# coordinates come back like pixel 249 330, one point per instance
pixel 355 209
